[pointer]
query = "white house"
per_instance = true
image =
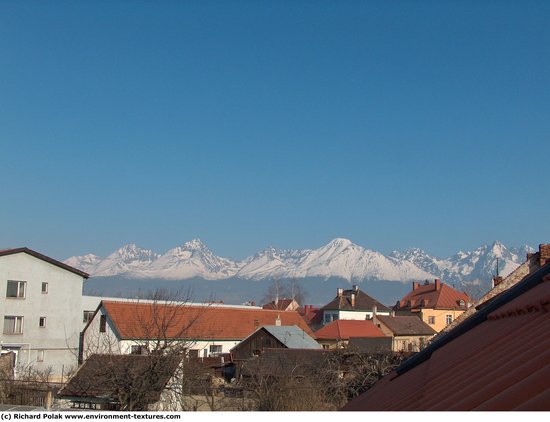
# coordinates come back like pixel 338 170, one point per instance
pixel 41 311
pixel 352 304
pixel 203 329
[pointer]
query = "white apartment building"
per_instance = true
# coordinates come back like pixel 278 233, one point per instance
pixel 41 311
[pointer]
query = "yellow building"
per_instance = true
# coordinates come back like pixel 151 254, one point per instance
pixel 437 304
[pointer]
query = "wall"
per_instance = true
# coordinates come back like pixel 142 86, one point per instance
pixel 440 317
pixel 61 306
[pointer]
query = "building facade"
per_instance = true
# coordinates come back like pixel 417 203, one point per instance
pixel 41 311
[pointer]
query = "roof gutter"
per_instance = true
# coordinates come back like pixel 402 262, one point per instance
pixel 477 318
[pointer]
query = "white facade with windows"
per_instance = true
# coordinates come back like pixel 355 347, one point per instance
pixel 41 311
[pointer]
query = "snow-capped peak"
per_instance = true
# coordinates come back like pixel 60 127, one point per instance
pixel 338 258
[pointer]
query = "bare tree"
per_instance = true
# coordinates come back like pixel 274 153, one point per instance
pixel 289 289
pixel 162 333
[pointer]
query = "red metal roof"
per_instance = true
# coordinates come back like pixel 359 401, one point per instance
pixel 498 359
pixel 45 258
pixel 430 296
pixel 133 320
pixel 345 329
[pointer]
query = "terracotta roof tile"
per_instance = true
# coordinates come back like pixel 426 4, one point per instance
pixel 146 320
pixel 345 329
pixel 498 359
pixel 427 296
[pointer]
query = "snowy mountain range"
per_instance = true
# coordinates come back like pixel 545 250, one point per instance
pixel 339 258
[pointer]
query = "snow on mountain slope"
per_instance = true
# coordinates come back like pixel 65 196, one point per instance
pixel 339 258
pixel 129 258
pixel 479 264
pixel 193 259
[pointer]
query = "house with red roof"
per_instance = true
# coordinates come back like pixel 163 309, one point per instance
pixel 498 359
pixel 203 330
pixel 437 303
pixel 282 305
pixel 337 334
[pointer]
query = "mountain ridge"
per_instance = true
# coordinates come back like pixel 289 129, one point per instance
pixel 338 258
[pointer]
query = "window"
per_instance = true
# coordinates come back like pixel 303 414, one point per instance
pixel 330 317
pixel 138 350
pixel 103 324
pixel 431 320
pixel 13 325
pixel 448 319
pixel 194 354
pixel 40 355
pixel 42 322
pixel 44 288
pixel 215 349
pixel 87 316
pixel 16 289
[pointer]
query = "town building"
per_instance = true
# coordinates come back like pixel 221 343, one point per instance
pixel 272 337
pixel 337 334
pixel 437 304
pixel 498 359
pixel 41 311
pixel 282 305
pixel 408 332
pixel 352 304
pixel 140 327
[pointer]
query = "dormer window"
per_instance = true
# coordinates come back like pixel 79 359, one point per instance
pixel 461 303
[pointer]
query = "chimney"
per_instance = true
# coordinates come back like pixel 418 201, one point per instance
pixel 353 300
pixel 497 280
pixel 544 251
pixel 339 292
pixel 416 285
pixel 437 284
pixel 355 288
pixel 278 321
pixel 374 309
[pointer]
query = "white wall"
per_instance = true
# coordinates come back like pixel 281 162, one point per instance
pixel 97 342
pixel 61 307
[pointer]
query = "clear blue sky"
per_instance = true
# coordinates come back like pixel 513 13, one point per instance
pixel 285 123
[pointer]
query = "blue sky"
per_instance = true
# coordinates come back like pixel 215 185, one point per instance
pixel 285 123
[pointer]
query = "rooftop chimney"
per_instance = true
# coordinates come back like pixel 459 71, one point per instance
pixel 352 299
pixel 374 309
pixel 544 251
pixel 339 292
pixel 416 285
pixel 278 321
pixel 497 280
pixel 437 284
pixel 355 288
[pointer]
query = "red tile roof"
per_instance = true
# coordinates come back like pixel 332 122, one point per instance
pixel 148 320
pixel 498 359
pixel 282 304
pixel 46 259
pixel 345 329
pixel 434 297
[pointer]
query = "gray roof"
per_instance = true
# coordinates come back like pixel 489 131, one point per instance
pixel 403 325
pixel 292 336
